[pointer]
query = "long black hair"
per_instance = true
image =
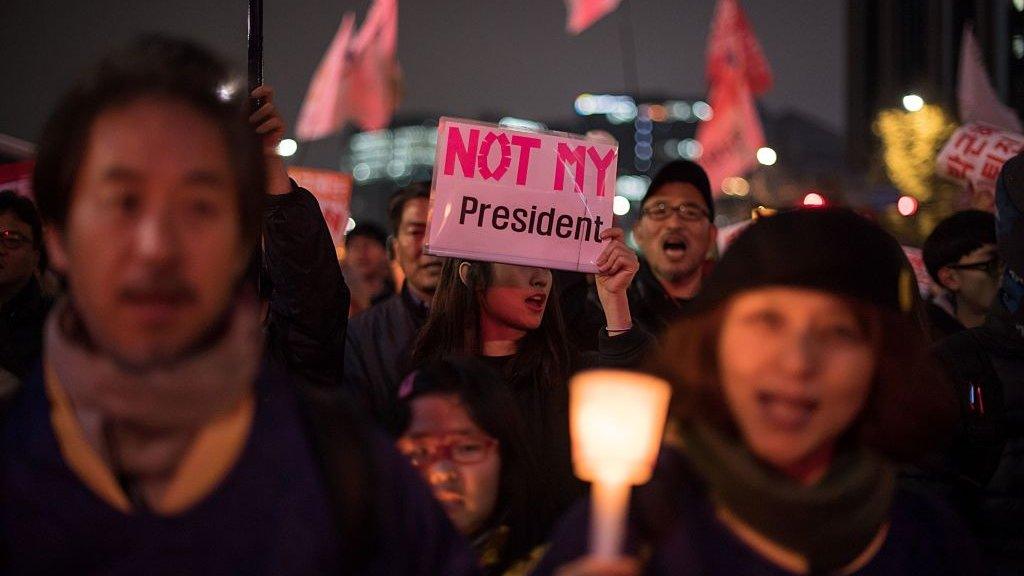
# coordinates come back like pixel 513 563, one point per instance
pixel 453 327
pixel 525 504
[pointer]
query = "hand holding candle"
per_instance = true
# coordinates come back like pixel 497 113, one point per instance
pixel 616 420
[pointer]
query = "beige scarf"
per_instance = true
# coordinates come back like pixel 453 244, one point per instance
pixel 142 422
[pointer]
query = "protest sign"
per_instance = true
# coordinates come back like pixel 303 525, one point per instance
pixel 976 153
pixel 517 197
pixel 333 190
pixel 18 177
pixel 925 283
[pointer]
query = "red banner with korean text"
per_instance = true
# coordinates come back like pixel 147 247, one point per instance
pixel 333 190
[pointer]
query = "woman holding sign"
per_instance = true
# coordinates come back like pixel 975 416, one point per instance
pixel 504 314
pixel 801 379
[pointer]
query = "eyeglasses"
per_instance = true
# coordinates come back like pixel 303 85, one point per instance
pixel 426 450
pixel 13 240
pixel 689 212
pixel 992 266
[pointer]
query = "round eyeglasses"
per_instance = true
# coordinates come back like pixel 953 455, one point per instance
pixel 423 451
pixel 689 212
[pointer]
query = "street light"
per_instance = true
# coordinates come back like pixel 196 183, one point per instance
pixel 913 102
pixel 907 205
pixel 620 206
pixel 813 199
pixel 767 156
pixel 287 147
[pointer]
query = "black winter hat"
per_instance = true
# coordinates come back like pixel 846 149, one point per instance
pixel 830 249
pixel 686 172
pixel 368 230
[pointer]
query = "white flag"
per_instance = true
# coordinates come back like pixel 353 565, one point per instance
pixel 978 100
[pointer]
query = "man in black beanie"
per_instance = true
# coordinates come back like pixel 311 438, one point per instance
pixel 987 365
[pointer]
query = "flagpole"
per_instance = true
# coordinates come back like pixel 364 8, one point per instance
pixel 254 41
pixel 627 45
pixel 255 46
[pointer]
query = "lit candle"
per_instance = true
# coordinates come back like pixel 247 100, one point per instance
pixel 617 419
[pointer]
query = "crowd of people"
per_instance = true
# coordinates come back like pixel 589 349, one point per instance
pixel 182 389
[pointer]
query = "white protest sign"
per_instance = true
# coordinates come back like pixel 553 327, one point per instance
pixel 976 153
pixel 529 198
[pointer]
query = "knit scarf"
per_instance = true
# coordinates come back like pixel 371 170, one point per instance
pixel 830 523
pixel 141 422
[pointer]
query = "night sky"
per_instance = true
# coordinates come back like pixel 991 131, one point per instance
pixel 459 57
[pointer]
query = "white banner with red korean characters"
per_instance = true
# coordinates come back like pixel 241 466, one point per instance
pixel 333 190
pixel 520 197
pixel 976 153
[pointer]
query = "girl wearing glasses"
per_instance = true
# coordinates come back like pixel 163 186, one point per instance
pixel 467 439
pixel 802 380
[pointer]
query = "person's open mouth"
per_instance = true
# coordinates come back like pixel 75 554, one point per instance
pixel 674 248
pixel 536 303
pixel 785 411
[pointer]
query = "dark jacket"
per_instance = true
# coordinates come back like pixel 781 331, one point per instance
pixel 941 324
pixel 986 463
pixel 545 407
pixel 377 352
pixel 308 296
pixel 673 529
pixel 651 307
pixel 21 329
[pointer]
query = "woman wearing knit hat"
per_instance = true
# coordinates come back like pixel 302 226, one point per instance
pixel 801 381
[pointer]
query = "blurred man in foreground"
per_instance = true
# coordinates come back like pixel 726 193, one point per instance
pixel 158 436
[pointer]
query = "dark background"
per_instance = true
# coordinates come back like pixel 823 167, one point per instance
pixel 459 57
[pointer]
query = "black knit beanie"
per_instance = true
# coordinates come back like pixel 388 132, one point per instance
pixel 830 249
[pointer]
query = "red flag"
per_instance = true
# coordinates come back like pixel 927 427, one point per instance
pixel 374 74
pixel 732 46
pixel 731 137
pixel 357 78
pixel 323 111
pixel 737 70
pixel 977 99
pixel 583 13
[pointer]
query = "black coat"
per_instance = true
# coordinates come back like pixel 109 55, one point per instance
pixel 941 324
pixel 544 406
pixel 985 476
pixel 378 349
pixel 21 329
pixel 308 296
pixel 651 307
